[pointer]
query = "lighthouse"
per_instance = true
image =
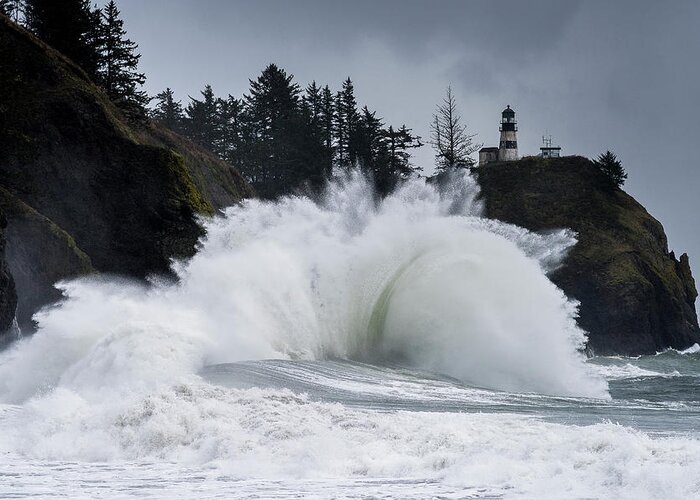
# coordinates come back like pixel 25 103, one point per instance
pixel 508 147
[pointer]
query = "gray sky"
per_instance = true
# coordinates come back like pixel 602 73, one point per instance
pixel 596 75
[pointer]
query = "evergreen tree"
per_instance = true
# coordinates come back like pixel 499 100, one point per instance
pixel 94 41
pixel 608 164
pixel 453 145
pixel 232 132
pixel 345 127
pixel 326 117
pixel 369 145
pixel 118 72
pixel 202 122
pixel 399 142
pixel 168 111
pixel 313 101
pixel 274 118
pixel 66 25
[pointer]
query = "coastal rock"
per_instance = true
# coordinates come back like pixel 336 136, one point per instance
pixel 97 192
pixel 39 254
pixel 8 296
pixel 636 297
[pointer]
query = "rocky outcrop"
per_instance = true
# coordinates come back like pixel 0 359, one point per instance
pixel 40 254
pixel 86 190
pixel 636 297
pixel 8 296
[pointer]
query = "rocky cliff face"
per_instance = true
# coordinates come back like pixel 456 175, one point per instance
pixel 83 189
pixel 8 297
pixel 636 297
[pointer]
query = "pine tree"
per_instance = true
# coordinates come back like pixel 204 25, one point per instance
pixel 399 142
pixel 168 111
pixel 453 145
pixel 369 141
pixel 608 164
pixel 66 26
pixel 202 122
pixel 346 121
pixel 94 40
pixel 313 101
pixel 232 132
pixel 118 72
pixel 326 117
pixel 273 111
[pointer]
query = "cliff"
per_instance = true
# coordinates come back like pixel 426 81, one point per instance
pixel 636 297
pixel 8 296
pixel 83 189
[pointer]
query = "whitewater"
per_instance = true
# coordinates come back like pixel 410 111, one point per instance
pixel 342 346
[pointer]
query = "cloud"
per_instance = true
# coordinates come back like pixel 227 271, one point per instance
pixel 621 75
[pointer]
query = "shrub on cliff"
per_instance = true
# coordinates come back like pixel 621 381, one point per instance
pixel 608 164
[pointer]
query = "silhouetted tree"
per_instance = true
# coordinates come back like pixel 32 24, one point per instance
pixel 202 122
pixel 67 26
pixel 345 125
pixel 168 111
pixel 608 164
pixel 399 143
pixel 453 145
pixel 312 102
pixel 232 130
pixel 369 145
pixel 118 72
pixel 273 115
pixel 326 117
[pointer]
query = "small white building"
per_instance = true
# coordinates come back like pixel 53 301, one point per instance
pixel 547 150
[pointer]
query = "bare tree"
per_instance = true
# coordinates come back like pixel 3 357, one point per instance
pixel 449 136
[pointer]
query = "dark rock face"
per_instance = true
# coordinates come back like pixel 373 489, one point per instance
pixel 636 297
pixel 8 296
pixel 40 254
pixel 83 189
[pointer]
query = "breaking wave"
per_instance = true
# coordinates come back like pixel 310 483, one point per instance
pixel 420 278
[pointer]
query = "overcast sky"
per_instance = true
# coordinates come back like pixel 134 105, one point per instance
pixel 596 75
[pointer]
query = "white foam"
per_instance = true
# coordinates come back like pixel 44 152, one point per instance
pixel 111 373
pixel 691 350
pixel 421 276
pixel 627 370
pixel 277 435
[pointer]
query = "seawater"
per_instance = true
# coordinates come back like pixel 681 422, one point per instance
pixel 344 347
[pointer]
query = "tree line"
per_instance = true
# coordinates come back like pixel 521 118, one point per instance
pixel 92 37
pixel 281 137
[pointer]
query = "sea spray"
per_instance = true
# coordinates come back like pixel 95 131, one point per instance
pixel 419 276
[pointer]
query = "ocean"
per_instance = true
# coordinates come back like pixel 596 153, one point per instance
pixel 344 347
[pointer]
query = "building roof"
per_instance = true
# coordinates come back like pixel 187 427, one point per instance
pixel 486 150
pixel 508 111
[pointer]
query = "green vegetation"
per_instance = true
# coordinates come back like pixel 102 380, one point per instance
pixel 94 39
pixel 608 165
pixel 282 138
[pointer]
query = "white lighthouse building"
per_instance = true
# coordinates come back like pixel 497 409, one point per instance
pixel 507 149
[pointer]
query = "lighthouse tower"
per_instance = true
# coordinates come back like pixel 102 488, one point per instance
pixel 508 148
